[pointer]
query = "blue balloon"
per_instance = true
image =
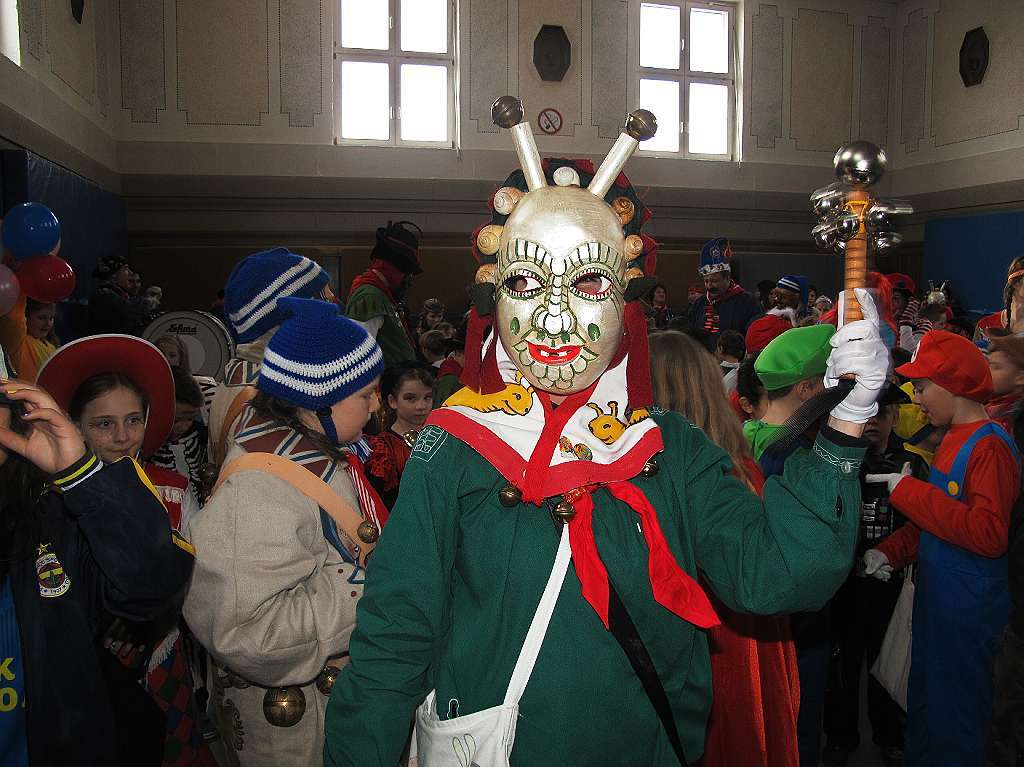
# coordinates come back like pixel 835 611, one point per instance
pixel 30 229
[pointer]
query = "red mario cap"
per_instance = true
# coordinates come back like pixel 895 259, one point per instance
pixel 952 362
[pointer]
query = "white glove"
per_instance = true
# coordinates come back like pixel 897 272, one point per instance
pixel 876 564
pixel 890 479
pixel 857 348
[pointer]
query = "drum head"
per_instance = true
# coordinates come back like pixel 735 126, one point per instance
pixel 203 335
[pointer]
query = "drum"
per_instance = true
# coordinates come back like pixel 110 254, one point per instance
pixel 207 341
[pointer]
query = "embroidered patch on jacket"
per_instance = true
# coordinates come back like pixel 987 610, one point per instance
pixel 428 443
pixel 53 581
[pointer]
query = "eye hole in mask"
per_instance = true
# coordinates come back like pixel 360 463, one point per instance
pixel 523 284
pixel 592 285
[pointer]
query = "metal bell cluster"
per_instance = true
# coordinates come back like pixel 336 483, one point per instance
pixel 858 165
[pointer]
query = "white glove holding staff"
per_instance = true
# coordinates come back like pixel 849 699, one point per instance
pixel 858 348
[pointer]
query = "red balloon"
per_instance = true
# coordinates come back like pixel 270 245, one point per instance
pixel 47 279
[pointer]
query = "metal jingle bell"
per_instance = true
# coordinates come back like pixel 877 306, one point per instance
pixel 367 532
pixel 284 706
pixel 326 678
pixel 563 511
pixel 510 496
pixel 650 468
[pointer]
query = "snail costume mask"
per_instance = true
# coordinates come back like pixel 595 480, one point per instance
pixel 556 397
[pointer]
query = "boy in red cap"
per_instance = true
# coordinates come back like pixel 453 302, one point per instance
pixel 958 533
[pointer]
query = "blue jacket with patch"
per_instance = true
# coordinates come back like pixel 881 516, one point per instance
pixel 98 545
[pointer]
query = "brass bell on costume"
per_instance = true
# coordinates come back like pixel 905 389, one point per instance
pixel 510 496
pixel 563 511
pixel 650 468
pixel 367 532
pixel 284 706
pixel 326 678
pixel 410 437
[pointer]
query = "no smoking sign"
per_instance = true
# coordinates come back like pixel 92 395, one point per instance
pixel 550 121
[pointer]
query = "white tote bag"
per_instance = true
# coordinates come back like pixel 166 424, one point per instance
pixel 892 668
pixel 485 738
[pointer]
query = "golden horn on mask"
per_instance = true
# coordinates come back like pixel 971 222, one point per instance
pixel 640 126
pixel 507 112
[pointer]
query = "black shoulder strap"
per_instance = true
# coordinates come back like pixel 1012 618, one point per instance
pixel 622 628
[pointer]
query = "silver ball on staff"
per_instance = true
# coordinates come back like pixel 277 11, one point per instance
pixel 507 112
pixel 860 163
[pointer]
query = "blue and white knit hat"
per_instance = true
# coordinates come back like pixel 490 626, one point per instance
pixel 318 357
pixel 796 283
pixel 715 257
pixel 259 281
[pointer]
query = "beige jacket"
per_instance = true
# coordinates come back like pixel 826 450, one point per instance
pixel 272 601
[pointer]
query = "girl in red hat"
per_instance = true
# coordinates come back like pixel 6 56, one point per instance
pixel 81 541
pixel 119 392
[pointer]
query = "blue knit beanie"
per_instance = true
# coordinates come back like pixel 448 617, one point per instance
pixel 318 357
pixel 259 281
pixel 796 283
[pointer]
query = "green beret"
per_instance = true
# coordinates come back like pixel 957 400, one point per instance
pixel 793 356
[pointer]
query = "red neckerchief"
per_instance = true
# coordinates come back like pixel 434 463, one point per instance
pixel 450 367
pixel 673 588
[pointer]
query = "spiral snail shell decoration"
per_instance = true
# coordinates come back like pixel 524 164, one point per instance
pixel 488 239
pixel 634 246
pixel 624 209
pixel 506 199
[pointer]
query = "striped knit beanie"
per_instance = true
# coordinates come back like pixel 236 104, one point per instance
pixel 259 281
pixel 318 357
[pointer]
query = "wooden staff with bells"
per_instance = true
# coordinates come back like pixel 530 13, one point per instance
pixel 851 221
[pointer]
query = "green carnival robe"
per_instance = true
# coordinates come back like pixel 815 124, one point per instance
pixel 367 302
pixel 456 577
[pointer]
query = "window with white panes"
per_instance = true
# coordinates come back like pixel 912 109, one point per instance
pixel 394 64
pixel 687 75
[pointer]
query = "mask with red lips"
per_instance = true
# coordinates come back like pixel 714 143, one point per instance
pixel 560 282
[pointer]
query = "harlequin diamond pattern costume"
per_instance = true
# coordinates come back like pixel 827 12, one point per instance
pixel 552 446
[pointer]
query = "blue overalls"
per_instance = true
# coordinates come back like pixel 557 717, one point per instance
pixel 961 605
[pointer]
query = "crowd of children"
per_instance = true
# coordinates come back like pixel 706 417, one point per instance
pixel 200 550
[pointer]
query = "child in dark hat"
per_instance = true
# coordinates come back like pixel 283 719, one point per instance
pixel 377 293
pixel 958 534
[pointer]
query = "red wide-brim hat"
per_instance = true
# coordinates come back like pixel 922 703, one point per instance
pixel 136 358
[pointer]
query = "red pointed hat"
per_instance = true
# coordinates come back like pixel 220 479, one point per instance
pixel 136 358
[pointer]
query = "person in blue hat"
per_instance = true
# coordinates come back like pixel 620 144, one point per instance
pixel 791 292
pixel 725 305
pixel 282 542
pixel 251 308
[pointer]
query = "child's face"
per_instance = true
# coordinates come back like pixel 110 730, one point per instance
pixel 184 419
pixel 114 424
pixel 412 402
pixel 936 403
pixel 1006 376
pixel 352 413
pixel 39 323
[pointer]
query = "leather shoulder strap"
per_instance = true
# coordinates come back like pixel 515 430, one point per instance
pixel 346 517
pixel 234 409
